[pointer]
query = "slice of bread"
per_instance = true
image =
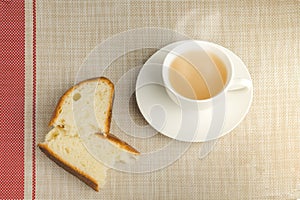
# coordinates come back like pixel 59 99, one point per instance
pixel 86 105
pixel 85 110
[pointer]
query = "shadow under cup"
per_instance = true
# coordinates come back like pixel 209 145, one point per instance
pixel 196 72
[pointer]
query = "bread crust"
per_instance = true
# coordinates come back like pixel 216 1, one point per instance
pixel 114 139
pixel 68 167
pixel 61 101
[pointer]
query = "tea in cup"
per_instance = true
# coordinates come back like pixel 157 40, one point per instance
pixel 199 73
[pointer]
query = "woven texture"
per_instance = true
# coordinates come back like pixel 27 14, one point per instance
pixel 260 159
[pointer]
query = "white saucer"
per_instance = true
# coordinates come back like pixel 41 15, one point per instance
pixel 167 117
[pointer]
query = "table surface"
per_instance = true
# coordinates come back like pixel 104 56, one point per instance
pixel 260 159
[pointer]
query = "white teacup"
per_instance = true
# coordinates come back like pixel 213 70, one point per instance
pixel 199 73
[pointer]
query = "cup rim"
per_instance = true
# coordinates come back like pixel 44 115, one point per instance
pixel 172 53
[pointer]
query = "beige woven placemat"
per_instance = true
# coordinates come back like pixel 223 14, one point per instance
pixel 260 159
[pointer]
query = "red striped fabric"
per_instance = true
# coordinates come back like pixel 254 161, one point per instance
pixel 34 100
pixel 12 63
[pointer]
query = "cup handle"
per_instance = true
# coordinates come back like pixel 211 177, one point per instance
pixel 239 84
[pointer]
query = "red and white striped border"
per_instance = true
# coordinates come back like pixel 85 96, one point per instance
pixel 12 62
pixel 34 101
